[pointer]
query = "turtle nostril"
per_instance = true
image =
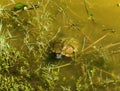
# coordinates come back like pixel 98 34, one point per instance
pixel 58 55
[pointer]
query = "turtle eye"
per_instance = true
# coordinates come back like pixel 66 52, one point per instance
pixel 58 55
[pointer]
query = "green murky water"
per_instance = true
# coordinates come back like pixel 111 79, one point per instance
pixel 74 19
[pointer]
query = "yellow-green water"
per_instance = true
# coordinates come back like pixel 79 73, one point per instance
pixel 72 18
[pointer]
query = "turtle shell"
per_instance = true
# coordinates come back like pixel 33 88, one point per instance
pixel 66 46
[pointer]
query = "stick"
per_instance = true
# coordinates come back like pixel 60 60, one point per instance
pixel 95 42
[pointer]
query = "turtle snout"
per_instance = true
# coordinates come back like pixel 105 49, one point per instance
pixel 58 56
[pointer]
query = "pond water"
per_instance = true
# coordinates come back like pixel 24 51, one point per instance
pixel 84 20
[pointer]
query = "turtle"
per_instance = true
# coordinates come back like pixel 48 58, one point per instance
pixel 67 47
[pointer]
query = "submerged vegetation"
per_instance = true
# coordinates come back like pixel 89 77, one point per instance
pixel 26 39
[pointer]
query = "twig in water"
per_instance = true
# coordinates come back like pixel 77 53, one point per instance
pixel 59 29
pixel 95 42
pixel 86 8
pixel 111 45
pixel 44 9
pixel 88 13
pixel 61 66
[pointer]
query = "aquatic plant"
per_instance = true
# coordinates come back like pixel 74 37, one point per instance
pixel 25 40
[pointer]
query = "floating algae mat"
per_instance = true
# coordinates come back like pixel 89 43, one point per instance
pixel 59 45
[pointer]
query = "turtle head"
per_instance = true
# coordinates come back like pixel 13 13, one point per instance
pixel 58 56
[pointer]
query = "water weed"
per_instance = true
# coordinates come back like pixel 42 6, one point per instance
pixel 26 37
